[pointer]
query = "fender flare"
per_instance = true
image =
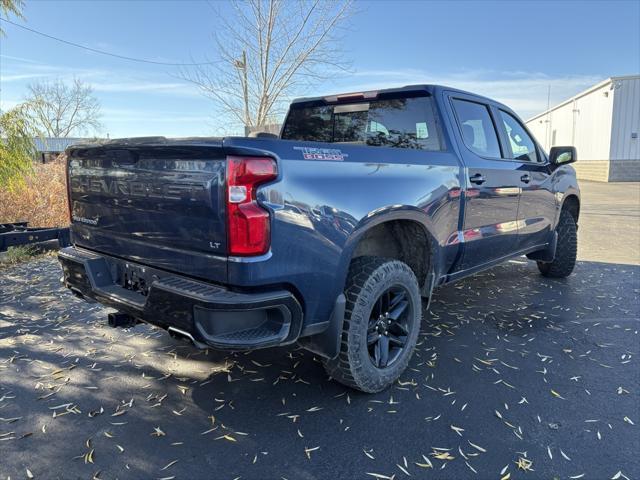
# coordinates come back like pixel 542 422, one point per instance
pixel 327 343
pixel 379 217
pixel 570 193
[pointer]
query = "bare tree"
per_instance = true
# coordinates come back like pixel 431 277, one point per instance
pixel 270 49
pixel 58 109
pixel 13 7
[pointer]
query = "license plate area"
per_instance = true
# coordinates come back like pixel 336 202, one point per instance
pixel 134 277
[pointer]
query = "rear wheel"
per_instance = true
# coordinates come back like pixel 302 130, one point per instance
pixel 566 250
pixel 381 326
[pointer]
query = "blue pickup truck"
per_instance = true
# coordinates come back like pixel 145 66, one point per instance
pixel 333 235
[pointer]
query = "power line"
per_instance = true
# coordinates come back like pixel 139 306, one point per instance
pixel 102 52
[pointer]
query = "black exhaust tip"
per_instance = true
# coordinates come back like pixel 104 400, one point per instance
pixel 120 320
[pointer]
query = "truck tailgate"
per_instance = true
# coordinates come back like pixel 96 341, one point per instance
pixel 153 201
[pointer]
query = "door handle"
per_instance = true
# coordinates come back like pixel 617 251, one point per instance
pixel 478 179
pixel 525 178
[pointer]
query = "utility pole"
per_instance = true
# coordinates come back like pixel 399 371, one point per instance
pixel 548 121
pixel 242 65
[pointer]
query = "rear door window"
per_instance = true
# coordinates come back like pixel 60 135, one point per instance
pixel 523 147
pixel 400 123
pixel 476 126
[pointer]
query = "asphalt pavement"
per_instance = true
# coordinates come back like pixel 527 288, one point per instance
pixel 515 376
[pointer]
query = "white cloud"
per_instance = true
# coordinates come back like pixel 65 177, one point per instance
pixel 19 59
pixel 122 115
pixel 525 92
pixel 8 104
pixel 134 85
pixel 102 80
pixel 17 77
pixel 18 69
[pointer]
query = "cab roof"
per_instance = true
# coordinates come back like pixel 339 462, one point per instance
pixel 418 90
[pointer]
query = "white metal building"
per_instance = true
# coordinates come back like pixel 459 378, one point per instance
pixel 603 123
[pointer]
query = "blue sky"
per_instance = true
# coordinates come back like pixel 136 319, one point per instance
pixel 510 51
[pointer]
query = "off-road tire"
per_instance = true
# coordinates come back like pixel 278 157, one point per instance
pixel 566 249
pixel 368 278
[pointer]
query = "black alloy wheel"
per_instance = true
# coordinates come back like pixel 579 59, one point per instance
pixel 389 326
pixel 382 320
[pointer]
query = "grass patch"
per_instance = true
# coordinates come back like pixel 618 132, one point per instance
pixel 19 254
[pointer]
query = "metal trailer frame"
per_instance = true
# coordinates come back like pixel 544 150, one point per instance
pixel 19 233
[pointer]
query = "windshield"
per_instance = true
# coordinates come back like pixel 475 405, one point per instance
pixel 400 123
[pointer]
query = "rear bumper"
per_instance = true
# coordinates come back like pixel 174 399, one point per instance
pixel 210 314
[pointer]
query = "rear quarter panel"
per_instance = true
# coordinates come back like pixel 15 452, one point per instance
pixel 320 208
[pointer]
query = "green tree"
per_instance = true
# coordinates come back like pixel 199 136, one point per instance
pixel 13 7
pixel 17 148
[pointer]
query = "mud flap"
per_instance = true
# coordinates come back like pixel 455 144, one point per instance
pixel 327 343
pixel 547 254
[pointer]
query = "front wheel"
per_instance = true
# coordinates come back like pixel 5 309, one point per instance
pixel 381 325
pixel 566 250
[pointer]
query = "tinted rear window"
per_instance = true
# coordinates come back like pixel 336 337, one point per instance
pixel 400 123
pixel 477 128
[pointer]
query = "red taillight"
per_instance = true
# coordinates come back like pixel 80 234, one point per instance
pixel 248 230
pixel 68 181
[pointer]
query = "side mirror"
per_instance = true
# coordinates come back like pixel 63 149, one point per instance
pixel 563 155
